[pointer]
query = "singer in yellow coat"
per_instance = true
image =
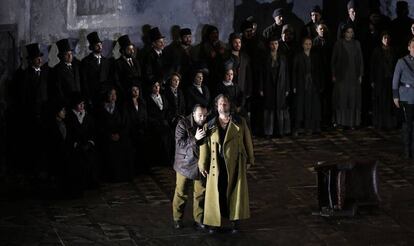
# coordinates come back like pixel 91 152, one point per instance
pixel 228 151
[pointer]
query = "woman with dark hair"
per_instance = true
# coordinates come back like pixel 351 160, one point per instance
pixel 114 140
pixel 227 87
pixel 275 89
pixel 306 82
pixel 383 61
pixel 197 93
pixel 136 112
pixel 347 71
pixel 161 141
pixel 175 98
pixel 83 171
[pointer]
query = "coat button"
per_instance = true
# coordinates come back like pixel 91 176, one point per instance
pixel 214 167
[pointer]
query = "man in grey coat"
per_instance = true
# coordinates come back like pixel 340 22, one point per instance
pixel 189 135
pixel 403 94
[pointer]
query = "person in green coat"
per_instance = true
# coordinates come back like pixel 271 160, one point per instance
pixel 224 159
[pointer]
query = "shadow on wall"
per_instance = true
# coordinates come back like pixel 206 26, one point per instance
pixel 262 14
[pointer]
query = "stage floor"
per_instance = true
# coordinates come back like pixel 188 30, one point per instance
pixel 283 196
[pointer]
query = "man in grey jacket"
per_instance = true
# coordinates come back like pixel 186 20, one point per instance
pixel 189 135
pixel 403 94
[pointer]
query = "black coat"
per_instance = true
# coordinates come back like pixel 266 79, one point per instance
pixel 34 91
pixel 116 154
pixel 193 97
pixel 161 134
pixel 176 105
pixel 83 165
pixel 66 80
pixel 127 76
pixel 94 76
pixel 154 67
pixel 233 91
pixel 307 99
pixel 276 83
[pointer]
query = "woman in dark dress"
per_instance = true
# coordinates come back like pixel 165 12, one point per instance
pixel 306 82
pixel 275 89
pixel 161 142
pixel 175 98
pixel 227 87
pixel 82 172
pixel 114 140
pixel 383 62
pixel 136 111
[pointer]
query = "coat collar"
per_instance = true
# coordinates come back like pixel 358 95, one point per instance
pixel 232 130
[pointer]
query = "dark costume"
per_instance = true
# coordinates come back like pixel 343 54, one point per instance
pixel 382 68
pixel 116 153
pixel 161 136
pixel 347 67
pixel 275 87
pixel 82 172
pixel 138 127
pixel 193 96
pixel 307 74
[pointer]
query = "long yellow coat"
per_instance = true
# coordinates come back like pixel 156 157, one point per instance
pixel 238 152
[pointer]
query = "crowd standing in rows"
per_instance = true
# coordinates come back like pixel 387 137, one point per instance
pixel 105 119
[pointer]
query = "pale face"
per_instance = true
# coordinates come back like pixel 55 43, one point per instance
pixel 112 96
pixel 307 45
pixel 135 91
pixel 97 48
pixel 187 39
pixel 412 29
pixel 228 76
pixel 279 20
pixel 159 44
pixel 386 40
pixel 80 107
pixel 351 13
pixel 236 43
pixel 315 16
pixel 274 45
pixel 223 106
pixel 198 78
pixel 156 88
pixel 349 34
pixel 321 30
pixel 175 81
pixel 62 113
pixel 200 116
pixel 129 51
pixel 68 57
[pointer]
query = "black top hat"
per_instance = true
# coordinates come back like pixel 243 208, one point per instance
pixel 185 31
pixel 124 41
pixel 277 12
pixel 351 5
pixel 246 25
pixel 93 38
pixel 155 34
pixel 63 45
pixel 33 51
pixel 273 38
pixel 316 9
